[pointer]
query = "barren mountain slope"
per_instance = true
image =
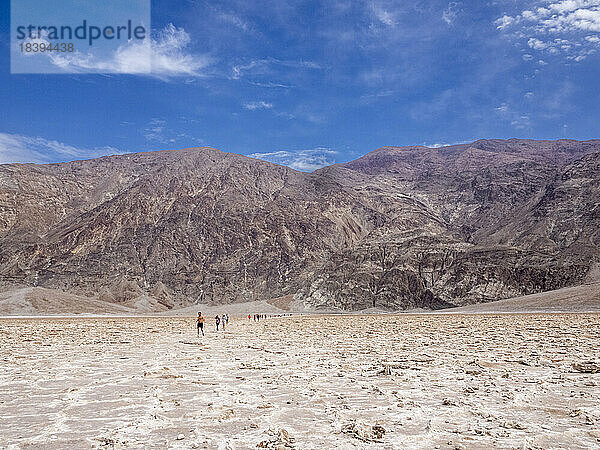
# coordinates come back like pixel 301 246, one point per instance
pixel 397 228
pixel 520 217
pixel 206 224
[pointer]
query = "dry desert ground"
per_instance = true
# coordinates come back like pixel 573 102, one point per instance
pixel 346 381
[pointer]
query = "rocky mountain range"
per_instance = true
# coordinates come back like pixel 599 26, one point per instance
pixel 399 228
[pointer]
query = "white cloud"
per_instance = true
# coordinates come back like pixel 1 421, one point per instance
pixel 164 56
pixel 26 149
pixel 302 160
pixel 504 22
pixel 536 44
pixel 567 6
pixel 558 27
pixel 258 105
pixel 586 19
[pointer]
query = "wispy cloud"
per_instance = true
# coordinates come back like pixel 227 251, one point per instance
pixel 258 105
pixel 303 160
pixel 271 84
pixel 449 144
pixel 157 132
pixel 154 131
pixel 450 14
pixel 26 149
pixel 518 120
pixel 267 66
pixel 558 27
pixel 385 15
pixel 234 20
pixel 164 56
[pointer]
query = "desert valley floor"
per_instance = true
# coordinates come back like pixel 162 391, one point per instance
pixel 362 381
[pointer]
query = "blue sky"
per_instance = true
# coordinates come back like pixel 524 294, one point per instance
pixel 309 83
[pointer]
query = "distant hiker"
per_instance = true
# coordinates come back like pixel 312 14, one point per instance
pixel 223 321
pixel 217 321
pixel 200 323
pixel 249 317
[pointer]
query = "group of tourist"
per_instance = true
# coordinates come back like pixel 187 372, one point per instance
pixel 219 321
pixel 222 320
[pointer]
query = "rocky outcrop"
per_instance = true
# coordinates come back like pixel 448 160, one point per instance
pixel 399 228
pixel 489 220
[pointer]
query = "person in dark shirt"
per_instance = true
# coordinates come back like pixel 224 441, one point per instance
pixel 200 324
